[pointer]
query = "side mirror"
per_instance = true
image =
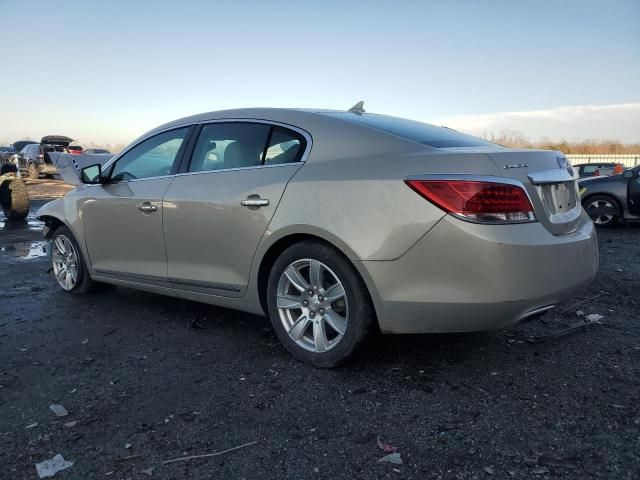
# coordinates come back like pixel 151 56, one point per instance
pixel 91 174
pixel 627 173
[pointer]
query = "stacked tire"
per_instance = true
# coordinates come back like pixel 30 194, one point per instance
pixel 14 199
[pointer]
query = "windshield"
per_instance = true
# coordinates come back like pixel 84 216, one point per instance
pixel 431 135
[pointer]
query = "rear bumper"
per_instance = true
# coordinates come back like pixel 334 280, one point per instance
pixel 46 169
pixel 464 277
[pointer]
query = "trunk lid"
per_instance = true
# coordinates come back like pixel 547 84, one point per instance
pixel 550 182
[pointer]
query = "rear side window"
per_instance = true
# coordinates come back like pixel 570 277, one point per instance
pixel 590 168
pixel 285 146
pixel 431 135
pixel 224 146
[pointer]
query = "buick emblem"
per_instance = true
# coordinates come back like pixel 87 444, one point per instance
pixel 562 163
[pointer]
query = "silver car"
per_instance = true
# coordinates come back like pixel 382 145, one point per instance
pixel 332 223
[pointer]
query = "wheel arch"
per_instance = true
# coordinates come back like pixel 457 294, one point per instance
pixel 280 244
pixel 612 196
pixel 52 223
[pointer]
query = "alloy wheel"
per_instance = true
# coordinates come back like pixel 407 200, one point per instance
pixel 65 262
pixel 312 305
pixel 601 211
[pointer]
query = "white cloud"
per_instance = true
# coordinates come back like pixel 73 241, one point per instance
pixel 621 122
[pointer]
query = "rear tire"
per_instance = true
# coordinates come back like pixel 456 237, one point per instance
pixel 33 172
pixel 603 210
pixel 66 258
pixel 319 306
pixel 15 200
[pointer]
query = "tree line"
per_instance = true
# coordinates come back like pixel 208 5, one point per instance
pixel 516 139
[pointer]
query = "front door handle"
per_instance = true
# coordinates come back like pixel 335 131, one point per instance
pixel 147 207
pixel 255 202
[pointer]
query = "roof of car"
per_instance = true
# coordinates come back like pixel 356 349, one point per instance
pixel 284 115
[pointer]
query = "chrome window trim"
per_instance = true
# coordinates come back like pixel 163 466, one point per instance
pixel 478 178
pixel 303 158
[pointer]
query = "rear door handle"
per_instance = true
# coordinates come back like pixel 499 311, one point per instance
pixel 255 202
pixel 147 207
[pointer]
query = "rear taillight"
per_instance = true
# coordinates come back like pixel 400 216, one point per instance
pixel 477 201
pixel 596 173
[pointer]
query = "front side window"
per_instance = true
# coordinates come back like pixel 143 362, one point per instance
pixel 153 157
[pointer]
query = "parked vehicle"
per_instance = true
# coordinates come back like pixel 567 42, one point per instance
pixel 5 154
pixel 75 149
pixel 332 223
pixel 97 151
pixel 609 200
pixel 34 159
pixel 586 170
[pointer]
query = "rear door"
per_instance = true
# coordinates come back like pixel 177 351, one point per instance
pixel 551 183
pixel 123 218
pixel 218 209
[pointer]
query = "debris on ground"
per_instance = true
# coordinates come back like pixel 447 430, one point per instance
pixel 71 424
pixel 392 458
pixel 386 447
pixel 59 410
pixel 580 302
pixel 50 467
pixel 214 454
pixel 197 325
pixel 489 470
pixel 148 471
pixel 32 425
pixel 589 320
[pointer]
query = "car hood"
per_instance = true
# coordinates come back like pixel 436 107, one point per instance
pixel 56 140
pixel 69 165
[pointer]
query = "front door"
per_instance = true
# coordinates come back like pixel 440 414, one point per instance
pixel 123 218
pixel 633 192
pixel 218 210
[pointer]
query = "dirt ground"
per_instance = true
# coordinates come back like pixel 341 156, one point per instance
pixel 146 378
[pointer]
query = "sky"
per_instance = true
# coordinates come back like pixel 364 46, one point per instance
pixel 110 71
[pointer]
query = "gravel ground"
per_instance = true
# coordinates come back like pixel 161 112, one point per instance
pixel 146 378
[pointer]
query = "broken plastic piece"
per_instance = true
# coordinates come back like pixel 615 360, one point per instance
pixel 59 410
pixel 50 467
pixel 392 458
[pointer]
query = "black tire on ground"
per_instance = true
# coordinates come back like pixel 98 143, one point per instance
pixel 603 210
pixel 15 200
pixel 361 311
pixel 33 172
pixel 84 283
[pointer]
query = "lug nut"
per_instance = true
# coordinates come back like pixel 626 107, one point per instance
pixel 312 314
pixel 305 303
pixel 321 311
pixel 320 298
pixel 310 293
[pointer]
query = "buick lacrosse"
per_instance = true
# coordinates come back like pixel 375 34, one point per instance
pixel 332 223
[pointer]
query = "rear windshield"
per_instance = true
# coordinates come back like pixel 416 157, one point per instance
pixel 431 135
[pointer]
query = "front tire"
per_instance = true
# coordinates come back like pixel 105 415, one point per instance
pixel 603 210
pixel 318 305
pixel 69 267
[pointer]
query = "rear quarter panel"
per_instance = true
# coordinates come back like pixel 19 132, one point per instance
pixel 363 204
